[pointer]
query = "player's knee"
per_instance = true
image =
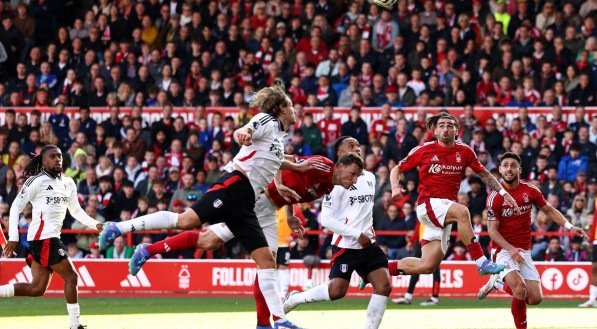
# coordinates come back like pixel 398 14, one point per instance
pixel 464 215
pixel 71 278
pixel 534 300
pixel 336 292
pixel 383 289
pixel 185 223
pixel 37 291
pixel 520 291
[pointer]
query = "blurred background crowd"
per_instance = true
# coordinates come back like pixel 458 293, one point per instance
pixel 201 54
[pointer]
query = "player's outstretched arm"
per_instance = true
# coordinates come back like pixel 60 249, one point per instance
pixel 78 213
pixel 493 184
pixel 557 217
pixel 305 165
pixel 285 192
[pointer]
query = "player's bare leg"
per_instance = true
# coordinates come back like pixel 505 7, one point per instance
pixel 431 258
pixel 41 277
pixel 155 221
pixel 380 280
pixel 66 270
pixel 592 302
pixel 461 216
pixel 516 286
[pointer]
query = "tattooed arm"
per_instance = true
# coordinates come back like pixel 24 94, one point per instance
pixel 493 183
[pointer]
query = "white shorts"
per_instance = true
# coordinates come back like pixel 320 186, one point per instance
pixel 266 214
pixel 527 268
pixel 432 214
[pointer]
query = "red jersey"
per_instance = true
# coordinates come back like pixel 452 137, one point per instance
pixel 381 126
pixel 309 186
pixel 330 130
pixel 516 229
pixel 441 169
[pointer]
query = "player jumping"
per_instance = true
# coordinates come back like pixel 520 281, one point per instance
pixel 349 214
pixel 232 199
pixel 510 232
pixel 51 194
pixel 441 166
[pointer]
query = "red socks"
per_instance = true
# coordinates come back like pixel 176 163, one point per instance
pixel 393 267
pixel 475 250
pixel 182 241
pixel 261 306
pixel 519 312
pixel 435 289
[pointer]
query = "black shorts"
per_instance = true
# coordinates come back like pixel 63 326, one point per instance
pixel 47 252
pixel 364 261
pixel 283 256
pixel 232 200
pixel 594 253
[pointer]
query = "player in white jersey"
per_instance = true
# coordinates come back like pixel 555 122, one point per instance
pixel 349 214
pixel 51 194
pixel 232 198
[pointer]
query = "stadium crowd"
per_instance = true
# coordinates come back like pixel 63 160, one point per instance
pixel 202 54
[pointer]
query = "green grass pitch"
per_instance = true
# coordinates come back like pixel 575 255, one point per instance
pixel 202 312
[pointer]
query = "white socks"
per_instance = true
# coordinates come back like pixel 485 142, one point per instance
pixel 8 290
pixel 268 284
pixel 592 292
pixel 283 280
pixel 480 261
pixel 74 313
pixel 156 221
pixel 408 296
pixel 375 311
pixel 315 294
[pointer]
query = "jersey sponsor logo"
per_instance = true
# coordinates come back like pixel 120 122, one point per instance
pixel 313 190
pixel 218 203
pixel 343 268
pixel 50 188
pixel 435 158
pixel 509 212
pixel 361 199
pixel 138 281
pixel 54 200
pixel 277 150
pixel 445 169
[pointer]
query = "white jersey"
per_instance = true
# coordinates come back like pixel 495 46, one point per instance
pixel 262 159
pixel 50 198
pixel 349 212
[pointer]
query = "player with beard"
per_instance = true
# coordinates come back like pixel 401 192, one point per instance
pixel 441 165
pixel 510 232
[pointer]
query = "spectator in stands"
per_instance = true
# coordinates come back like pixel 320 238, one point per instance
pixel 572 164
pixel 392 222
pixel 554 252
pixel 8 186
pixel 400 144
pixel 90 184
pixel 119 250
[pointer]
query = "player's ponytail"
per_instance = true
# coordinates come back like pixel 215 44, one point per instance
pixel 34 166
pixel 270 100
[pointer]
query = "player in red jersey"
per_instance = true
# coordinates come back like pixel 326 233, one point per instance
pixel 592 302
pixel 510 232
pixel 441 166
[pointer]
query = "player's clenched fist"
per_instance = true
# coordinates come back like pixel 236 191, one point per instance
pixel 244 138
pixel 397 193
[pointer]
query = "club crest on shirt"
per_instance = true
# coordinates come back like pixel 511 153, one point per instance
pixel 525 197
pixel 218 203
pixel 458 158
pixel 343 268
